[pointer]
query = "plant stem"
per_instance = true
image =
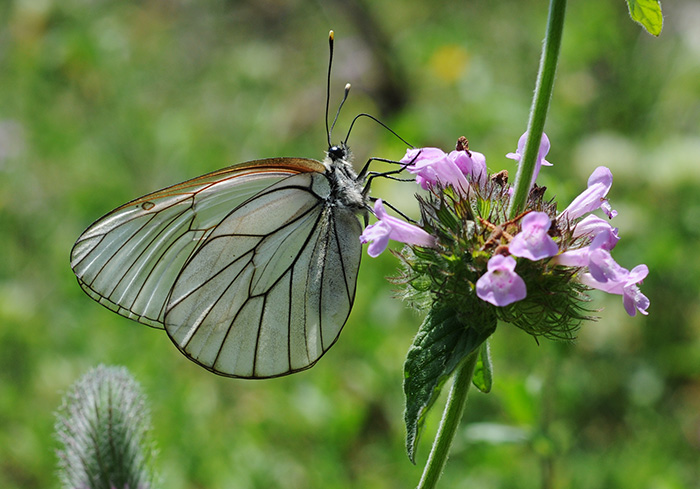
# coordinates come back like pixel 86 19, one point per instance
pixel 449 423
pixel 540 105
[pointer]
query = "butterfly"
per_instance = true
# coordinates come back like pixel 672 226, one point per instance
pixel 251 270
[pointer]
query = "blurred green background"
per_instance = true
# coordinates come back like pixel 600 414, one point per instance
pixel 102 101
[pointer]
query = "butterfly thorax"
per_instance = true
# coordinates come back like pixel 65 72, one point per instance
pixel 346 186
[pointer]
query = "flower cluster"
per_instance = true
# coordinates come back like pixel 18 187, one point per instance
pixel 535 268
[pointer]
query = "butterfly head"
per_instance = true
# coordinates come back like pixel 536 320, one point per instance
pixel 339 152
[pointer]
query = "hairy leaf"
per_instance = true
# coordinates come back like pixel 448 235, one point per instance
pixel 442 343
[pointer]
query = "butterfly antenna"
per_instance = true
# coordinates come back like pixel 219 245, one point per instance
pixel 345 97
pixel 378 122
pixel 331 37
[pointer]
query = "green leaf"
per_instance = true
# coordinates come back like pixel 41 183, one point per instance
pixel 483 373
pixel 648 13
pixel 442 343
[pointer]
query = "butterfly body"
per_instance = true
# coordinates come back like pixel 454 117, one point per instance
pixel 251 270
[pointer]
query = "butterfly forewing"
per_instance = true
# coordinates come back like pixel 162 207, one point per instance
pixel 129 259
pixel 271 287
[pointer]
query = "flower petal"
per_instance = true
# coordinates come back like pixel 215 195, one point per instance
pixel 623 283
pixel 543 150
pixel 594 227
pixel 390 227
pixel 634 300
pixel 500 285
pixel 593 197
pixel 573 258
pixel 533 241
pixel 472 164
pixel 432 166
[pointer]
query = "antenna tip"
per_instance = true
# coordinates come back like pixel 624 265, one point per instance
pixel 347 87
pixel 331 35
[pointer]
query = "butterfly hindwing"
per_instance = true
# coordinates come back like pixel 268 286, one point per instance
pixel 271 287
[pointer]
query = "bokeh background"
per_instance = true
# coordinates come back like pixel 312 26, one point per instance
pixel 104 100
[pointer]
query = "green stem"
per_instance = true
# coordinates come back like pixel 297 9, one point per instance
pixel 540 105
pixel 449 423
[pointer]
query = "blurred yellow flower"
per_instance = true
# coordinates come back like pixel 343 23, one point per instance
pixel 449 62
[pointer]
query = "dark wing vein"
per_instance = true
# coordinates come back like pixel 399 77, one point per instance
pixel 289 270
pixel 351 298
pixel 324 244
pixel 264 294
pixel 147 248
pixel 103 295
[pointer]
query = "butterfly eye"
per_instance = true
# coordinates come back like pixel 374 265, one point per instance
pixel 337 153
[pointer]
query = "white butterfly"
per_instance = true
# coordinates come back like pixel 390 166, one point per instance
pixel 251 270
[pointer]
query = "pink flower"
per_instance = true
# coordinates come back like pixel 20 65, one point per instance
pixel 432 166
pixel 533 241
pixel 544 149
pixel 500 285
pixel 389 227
pixel 472 164
pixel 593 197
pixel 608 276
pixel 605 239
pixel 594 226
pixel 604 273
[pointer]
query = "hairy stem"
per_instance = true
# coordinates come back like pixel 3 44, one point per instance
pixel 540 105
pixel 449 423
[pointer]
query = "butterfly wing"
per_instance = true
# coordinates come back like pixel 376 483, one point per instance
pixel 129 259
pixel 271 287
